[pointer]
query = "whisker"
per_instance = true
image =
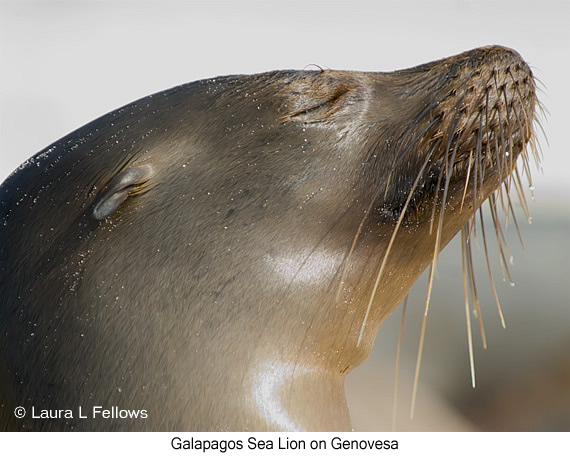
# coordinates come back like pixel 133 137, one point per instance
pixel 466 180
pixel 477 159
pixel 473 288
pixel 501 242
pixel 423 329
pixel 541 86
pixel 479 165
pixel 351 250
pixel 397 367
pixel 523 153
pixel 495 295
pixel 512 211
pixel 542 110
pixel 522 198
pixel 526 170
pixel 389 248
pixel 449 171
pixel 510 135
pixel 537 157
pixel 467 313
pixel 501 164
pixel 435 200
pixel 421 344
pixel 499 190
pixel 521 101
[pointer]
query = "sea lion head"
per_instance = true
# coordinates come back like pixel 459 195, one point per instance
pixel 226 250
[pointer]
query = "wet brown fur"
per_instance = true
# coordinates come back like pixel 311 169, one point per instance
pixel 221 254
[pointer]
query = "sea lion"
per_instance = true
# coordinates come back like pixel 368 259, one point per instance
pixel 219 255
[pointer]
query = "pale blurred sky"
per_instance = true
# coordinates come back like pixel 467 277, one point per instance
pixel 63 64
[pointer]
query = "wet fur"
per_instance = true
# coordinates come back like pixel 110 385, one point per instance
pixel 192 248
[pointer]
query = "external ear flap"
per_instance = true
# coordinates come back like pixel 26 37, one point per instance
pixel 126 183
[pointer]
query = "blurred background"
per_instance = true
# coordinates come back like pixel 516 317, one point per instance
pixel 64 63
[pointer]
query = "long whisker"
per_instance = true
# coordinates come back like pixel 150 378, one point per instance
pixel 478 154
pixel 474 294
pixel 389 248
pixel 423 329
pixel 510 135
pixel 501 241
pixel 467 313
pixel 489 269
pixel 397 367
pixel 529 122
pixel 521 196
pixel 524 156
pixel 524 153
pixel 512 211
pixel 351 250
pixel 449 172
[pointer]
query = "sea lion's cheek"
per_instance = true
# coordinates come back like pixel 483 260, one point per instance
pixel 303 266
